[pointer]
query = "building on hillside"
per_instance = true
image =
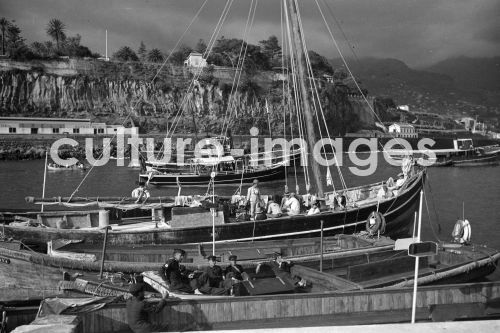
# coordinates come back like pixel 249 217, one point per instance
pixel 195 59
pixel 468 122
pixel 401 130
pixel 60 126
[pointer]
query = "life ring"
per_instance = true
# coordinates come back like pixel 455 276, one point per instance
pixel 462 232
pixel 375 222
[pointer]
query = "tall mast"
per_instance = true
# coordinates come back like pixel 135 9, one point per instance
pixel 301 66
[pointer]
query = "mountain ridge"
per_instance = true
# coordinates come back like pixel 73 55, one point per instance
pixel 456 86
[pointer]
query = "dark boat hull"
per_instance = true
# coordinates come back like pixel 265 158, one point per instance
pixel 469 161
pixel 398 212
pixel 221 178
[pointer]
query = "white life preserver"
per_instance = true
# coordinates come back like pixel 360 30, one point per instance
pixel 374 223
pixel 462 232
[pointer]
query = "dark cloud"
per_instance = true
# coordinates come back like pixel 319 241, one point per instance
pixel 418 32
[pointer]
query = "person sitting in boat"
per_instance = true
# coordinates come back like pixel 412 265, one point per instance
pixel 340 202
pixel 314 209
pixel 273 208
pixel 138 310
pixel 176 276
pixel 407 165
pixel 141 193
pixel 285 198
pixel 233 272
pixel 281 268
pixel 384 192
pixel 253 197
pixel 292 205
pixel 210 282
pixel 401 180
pixel 260 213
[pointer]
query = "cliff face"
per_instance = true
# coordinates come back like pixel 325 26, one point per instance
pixel 112 91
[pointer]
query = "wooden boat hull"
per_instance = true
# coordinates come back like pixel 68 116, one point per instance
pixel 356 307
pixel 221 178
pixel 27 274
pixel 398 212
pixel 439 303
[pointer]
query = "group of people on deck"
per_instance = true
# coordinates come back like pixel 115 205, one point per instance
pixel 214 280
pixel 289 205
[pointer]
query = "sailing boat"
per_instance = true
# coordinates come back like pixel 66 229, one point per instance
pixel 213 222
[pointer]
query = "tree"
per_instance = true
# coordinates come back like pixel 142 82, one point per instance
pixel 272 50
pixel 178 57
pixel 142 52
pixel 4 24
pixel 155 55
pixel 14 39
pixel 72 47
pixel 56 30
pixel 125 53
pixel 201 46
pixel 319 64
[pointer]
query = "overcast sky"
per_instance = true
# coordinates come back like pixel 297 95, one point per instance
pixel 419 32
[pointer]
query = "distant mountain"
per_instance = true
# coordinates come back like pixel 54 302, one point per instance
pixel 471 73
pixel 454 86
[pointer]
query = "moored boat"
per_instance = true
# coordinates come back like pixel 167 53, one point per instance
pixel 347 264
pixel 197 224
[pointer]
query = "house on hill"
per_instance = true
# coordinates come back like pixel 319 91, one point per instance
pixel 401 130
pixel 195 59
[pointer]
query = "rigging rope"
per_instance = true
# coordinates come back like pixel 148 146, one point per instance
pixel 129 113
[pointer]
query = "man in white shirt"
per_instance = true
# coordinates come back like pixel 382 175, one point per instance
pixel 401 180
pixel 292 205
pixel 273 208
pixel 253 196
pixel 314 209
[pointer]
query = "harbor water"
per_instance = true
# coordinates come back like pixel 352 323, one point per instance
pixel 450 192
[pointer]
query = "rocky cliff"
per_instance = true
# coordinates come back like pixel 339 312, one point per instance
pixel 146 94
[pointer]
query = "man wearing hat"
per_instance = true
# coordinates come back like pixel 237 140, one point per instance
pixel 176 275
pixel 233 271
pixel 211 281
pixel 138 310
pixel 253 196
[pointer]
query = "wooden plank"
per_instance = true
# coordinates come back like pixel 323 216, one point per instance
pixel 383 268
pixel 328 281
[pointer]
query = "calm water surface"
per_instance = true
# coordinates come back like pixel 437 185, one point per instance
pixel 448 189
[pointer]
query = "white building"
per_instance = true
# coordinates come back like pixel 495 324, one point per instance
pixel 403 130
pixel 62 126
pixel 468 122
pixel 195 60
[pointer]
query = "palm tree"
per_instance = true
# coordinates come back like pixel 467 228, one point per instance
pixel 55 29
pixel 155 55
pixel 4 24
